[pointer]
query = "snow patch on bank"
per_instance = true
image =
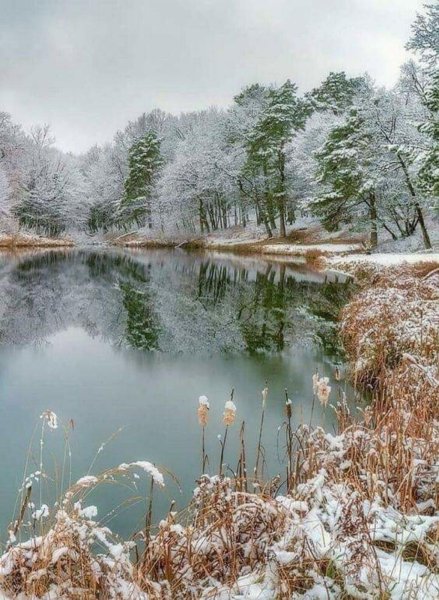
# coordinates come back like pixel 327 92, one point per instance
pixel 303 250
pixel 387 259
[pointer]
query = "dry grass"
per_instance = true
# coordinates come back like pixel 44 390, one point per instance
pixel 22 240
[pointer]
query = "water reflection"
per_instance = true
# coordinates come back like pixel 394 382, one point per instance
pixel 167 301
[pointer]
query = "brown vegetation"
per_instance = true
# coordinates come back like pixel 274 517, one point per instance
pixel 23 240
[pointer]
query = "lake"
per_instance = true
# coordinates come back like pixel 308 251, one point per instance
pixel 120 344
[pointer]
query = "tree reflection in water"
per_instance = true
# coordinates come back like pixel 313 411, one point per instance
pixel 167 301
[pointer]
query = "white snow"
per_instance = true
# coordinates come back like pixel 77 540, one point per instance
pixel 87 481
pixel 303 249
pixel 230 405
pixel 387 259
pixel 204 401
pixel 147 467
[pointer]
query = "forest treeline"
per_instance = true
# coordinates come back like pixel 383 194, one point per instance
pixel 348 152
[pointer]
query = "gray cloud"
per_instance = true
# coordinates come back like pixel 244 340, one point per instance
pixel 87 66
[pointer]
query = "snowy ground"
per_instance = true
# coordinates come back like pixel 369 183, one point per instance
pixel 304 249
pixel 386 259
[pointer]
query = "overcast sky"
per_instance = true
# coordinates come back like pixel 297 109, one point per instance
pixel 88 66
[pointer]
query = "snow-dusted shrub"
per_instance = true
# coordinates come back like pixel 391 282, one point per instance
pixel 396 316
pixel 63 563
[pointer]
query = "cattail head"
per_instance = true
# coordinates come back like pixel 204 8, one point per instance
pixel 229 413
pixel 50 418
pixel 337 374
pixel 315 382
pixel 203 410
pixel 264 396
pixel 323 390
pixel 288 408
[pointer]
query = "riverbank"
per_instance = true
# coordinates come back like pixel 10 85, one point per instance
pixel 27 240
pixel 353 513
pixel 311 242
pixel 305 241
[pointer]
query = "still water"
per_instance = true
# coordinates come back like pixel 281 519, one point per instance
pixel 120 344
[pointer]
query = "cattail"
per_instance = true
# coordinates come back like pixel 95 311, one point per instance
pixel 288 408
pixel 315 382
pixel 228 419
pixel 261 426
pixel 323 390
pixel 264 397
pixel 337 374
pixel 229 413
pixel 50 418
pixel 203 410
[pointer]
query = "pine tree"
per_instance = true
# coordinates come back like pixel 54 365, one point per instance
pixel 336 93
pixel 345 164
pixel 429 173
pixel 284 115
pixel 144 161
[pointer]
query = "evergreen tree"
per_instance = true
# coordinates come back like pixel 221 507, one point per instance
pixel 284 115
pixel 429 173
pixel 345 168
pixel 144 161
pixel 336 93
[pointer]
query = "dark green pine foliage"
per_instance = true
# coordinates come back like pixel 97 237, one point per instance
pixel 336 93
pixel 345 164
pixel 142 329
pixel 144 161
pixel 284 115
pixel 429 173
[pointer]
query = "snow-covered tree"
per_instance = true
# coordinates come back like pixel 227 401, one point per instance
pixel 344 169
pixel 282 117
pixel 6 215
pixel 144 161
pixel 429 174
pixel 199 184
pixel 43 201
pixel 425 42
pixel 392 118
pixel 336 93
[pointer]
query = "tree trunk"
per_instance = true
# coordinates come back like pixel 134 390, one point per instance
pixel 204 224
pixel 373 215
pixel 283 196
pixel 282 227
pixel 425 236
pixel 291 215
pixel 419 213
pixel 268 200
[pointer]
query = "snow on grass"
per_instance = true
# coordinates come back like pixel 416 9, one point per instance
pixel 386 259
pixel 146 466
pixel 304 249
